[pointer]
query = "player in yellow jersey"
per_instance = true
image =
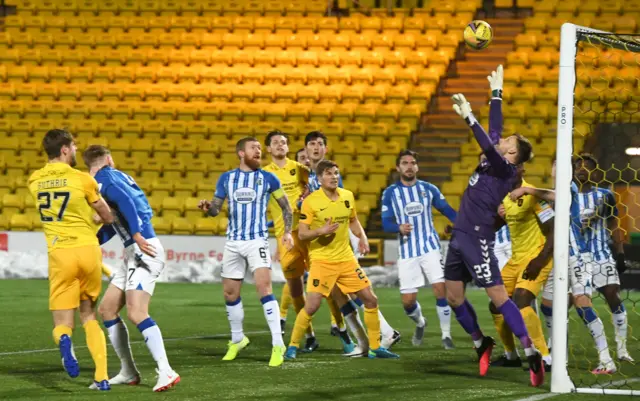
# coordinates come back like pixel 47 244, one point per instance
pixel 67 201
pixel 326 217
pixel 530 222
pixel 285 298
pixel 293 177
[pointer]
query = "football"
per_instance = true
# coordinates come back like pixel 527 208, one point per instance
pixel 478 34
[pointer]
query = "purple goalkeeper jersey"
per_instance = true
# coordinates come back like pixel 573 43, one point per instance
pixel 492 180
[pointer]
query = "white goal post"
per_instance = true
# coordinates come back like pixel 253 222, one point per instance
pixel 571 34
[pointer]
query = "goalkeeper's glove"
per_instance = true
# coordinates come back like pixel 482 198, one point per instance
pixel 495 81
pixel 462 108
pixel 621 264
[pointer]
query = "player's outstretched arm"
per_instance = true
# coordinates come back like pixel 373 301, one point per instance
pixel 212 208
pixel 287 213
pixel 463 109
pixel 441 204
pixel 548 195
pixel 495 108
pixel 389 222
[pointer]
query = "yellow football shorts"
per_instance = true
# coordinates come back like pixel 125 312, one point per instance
pixel 75 274
pixel 348 276
pixel 513 276
pixel 294 262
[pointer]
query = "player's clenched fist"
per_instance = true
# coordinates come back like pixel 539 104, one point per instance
pixel 204 205
pixel 405 228
pixel 518 193
pixel 329 227
pixel 287 241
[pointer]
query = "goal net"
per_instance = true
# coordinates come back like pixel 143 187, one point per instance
pixel 598 104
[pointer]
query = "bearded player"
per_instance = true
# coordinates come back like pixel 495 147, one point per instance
pixel 325 220
pixel 293 177
pixel 470 254
pixel 68 200
pixel 406 210
pixel 248 189
pixel 316 146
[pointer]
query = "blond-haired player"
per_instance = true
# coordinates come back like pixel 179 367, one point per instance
pixel 67 201
pixel 326 217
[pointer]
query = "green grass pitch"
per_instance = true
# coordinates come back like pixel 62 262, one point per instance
pixel 194 325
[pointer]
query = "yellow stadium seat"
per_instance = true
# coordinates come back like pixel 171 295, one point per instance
pixel 206 226
pixel 161 225
pixel 355 132
pixel 344 148
pixel 344 113
pixel 12 203
pixel 20 222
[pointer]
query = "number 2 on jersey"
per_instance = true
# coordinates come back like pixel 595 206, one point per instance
pixel 44 199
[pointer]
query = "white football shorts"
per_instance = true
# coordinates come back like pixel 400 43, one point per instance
pixel 580 279
pixel 412 271
pixel 240 255
pixel 503 253
pixel 604 271
pixel 138 270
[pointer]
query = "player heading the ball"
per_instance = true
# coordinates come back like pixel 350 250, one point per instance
pixel 248 189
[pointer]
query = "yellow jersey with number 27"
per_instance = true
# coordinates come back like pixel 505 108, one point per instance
pixel 317 208
pixel 63 196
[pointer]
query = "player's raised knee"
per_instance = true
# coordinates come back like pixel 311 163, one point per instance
pixel 107 312
pixel 523 298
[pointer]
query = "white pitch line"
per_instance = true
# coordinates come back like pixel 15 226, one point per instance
pixel 550 395
pixel 213 336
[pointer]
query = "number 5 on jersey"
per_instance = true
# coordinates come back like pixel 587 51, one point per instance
pixel 44 200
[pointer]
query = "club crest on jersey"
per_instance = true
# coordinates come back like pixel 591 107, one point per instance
pixel 292 171
pixel 520 202
pixel 244 195
pixel 413 209
pixel 473 179
pixel 316 282
pixel 259 182
pixel 347 204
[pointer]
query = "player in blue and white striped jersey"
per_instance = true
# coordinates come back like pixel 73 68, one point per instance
pixel 407 210
pixel 134 281
pixel 316 147
pixel 600 226
pixel 502 248
pixel 248 189
pixel 580 278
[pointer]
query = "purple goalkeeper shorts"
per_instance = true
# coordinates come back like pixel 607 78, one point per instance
pixel 471 257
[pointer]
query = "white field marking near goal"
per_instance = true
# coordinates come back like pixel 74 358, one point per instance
pixel 213 336
pixel 539 397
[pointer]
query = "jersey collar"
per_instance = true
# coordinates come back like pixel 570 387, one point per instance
pixel 286 164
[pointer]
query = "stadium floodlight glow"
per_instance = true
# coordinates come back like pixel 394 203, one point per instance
pixel 632 151
pixel 573 40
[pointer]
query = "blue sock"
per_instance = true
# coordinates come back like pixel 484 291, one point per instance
pixel 145 324
pixel 619 309
pixel 348 308
pixel 547 311
pixel 442 302
pixel 411 309
pixel 587 314
pixel 109 323
pixel 358 302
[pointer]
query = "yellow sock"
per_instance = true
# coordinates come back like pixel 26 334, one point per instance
pixel 372 321
pixel 298 305
pixel 506 336
pixel 302 323
pixel 98 348
pixel 106 271
pixel 59 331
pixel 336 315
pixel 534 327
pixel 285 301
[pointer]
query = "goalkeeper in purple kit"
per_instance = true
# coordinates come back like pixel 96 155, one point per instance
pixel 470 254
